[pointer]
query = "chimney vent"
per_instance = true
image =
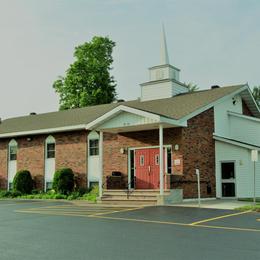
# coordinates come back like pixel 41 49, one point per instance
pixel 215 86
pixel 33 114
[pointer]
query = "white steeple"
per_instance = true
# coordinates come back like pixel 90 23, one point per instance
pixel 164 79
pixel 164 50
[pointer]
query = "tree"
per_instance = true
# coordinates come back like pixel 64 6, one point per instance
pixel 256 94
pixel 87 81
pixel 192 87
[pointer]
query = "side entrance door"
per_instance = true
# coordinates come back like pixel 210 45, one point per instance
pixel 228 181
pixel 147 171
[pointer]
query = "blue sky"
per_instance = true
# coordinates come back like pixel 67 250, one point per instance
pixel 212 42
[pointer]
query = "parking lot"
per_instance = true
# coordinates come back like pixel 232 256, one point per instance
pixel 63 230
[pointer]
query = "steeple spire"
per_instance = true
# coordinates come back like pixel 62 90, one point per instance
pixel 164 51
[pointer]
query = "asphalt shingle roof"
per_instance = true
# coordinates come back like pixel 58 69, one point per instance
pixel 175 107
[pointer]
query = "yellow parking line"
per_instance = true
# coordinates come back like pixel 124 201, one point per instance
pixel 220 217
pixel 179 224
pixel 116 211
pixel 22 203
pixel 61 213
pixel 75 214
pixel 229 228
pixel 53 213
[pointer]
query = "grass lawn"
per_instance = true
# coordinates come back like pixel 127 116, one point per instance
pixel 250 207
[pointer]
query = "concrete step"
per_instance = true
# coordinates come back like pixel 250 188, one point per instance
pixel 134 192
pixel 129 202
pixel 125 197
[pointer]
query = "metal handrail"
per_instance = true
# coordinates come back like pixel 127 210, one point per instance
pixel 129 190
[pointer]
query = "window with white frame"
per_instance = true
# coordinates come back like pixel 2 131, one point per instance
pixel 13 152
pixel 93 147
pixel 50 153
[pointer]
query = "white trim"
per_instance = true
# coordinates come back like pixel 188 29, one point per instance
pixel 151 146
pixel 212 104
pixel 252 97
pixel 233 142
pixel 100 164
pixel 227 180
pixel 117 110
pixel 12 142
pixel 45 131
pixel 161 163
pixel 256 119
pixel 49 140
pixel 144 147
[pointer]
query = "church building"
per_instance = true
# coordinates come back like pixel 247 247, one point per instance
pixel 146 149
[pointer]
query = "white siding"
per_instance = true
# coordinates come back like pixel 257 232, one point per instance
pixel 221 116
pixel 245 129
pixel 49 163
pixel 243 169
pixel 93 161
pixel 126 119
pixel 12 169
pixel 178 89
pixel 156 91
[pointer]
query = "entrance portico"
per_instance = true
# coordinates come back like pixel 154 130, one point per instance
pixel 124 120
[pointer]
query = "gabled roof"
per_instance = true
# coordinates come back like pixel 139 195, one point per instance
pixel 176 108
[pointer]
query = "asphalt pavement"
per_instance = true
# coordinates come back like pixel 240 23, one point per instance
pixel 63 230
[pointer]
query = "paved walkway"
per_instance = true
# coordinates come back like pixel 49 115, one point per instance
pixel 216 204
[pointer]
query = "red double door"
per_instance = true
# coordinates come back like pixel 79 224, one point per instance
pixel 147 168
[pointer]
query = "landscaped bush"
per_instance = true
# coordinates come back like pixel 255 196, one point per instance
pixel 63 181
pixel 92 194
pixel 23 182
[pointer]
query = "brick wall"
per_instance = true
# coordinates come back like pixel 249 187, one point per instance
pixel 116 161
pixel 196 148
pixel 199 152
pixel 3 163
pixel 30 156
pixel 71 151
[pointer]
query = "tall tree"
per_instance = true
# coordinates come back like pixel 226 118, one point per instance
pixel 88 81
pixel 256 94
pixel 192 87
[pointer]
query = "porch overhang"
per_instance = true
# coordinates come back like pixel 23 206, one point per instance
pixel 128 119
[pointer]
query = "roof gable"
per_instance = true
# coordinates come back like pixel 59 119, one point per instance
pixel 178 108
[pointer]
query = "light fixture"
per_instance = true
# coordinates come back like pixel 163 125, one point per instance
pixel 176 147
pixel 122 150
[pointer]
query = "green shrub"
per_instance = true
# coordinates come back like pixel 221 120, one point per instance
pixel 63 181
pixel 23 182
pixel 74 195
pixel 5 194
pixel 92 194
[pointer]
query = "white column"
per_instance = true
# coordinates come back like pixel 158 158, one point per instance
pixel 161 159
pixel 100 163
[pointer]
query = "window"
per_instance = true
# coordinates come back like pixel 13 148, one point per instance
pixel 50 150
pixel 93 147
pixel 48 185
pixel 169 160
pixel 157 159
pixel 13 152
pixel 10 186
pixel 141 160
